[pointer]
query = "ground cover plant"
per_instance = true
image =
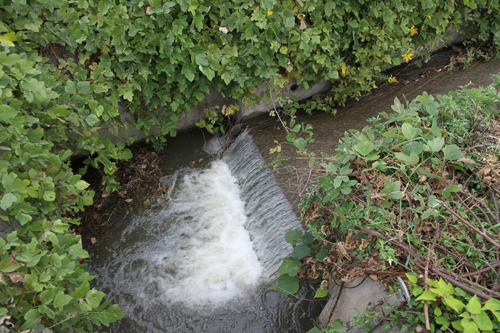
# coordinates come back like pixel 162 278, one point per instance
pixel 66 68
pixel 415 195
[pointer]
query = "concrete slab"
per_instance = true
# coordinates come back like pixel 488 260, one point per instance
pixel 346 298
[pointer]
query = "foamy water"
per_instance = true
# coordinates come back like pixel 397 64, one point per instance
pixel 196 252
pixel 202 262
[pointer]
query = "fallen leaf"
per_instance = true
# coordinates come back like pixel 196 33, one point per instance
pixel 17 278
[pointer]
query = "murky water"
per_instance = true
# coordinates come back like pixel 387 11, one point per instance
pixel 202 262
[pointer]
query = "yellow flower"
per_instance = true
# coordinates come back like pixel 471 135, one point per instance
pixel 413 30
pixel 392 79
pixel 408 55
pixel 269 13
pixel 429 17
pixel 344 68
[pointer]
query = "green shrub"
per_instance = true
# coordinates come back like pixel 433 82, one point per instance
pixel 416 192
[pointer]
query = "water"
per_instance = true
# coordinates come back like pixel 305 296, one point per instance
pixel 202 263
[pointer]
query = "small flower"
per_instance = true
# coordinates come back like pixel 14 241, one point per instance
pixel 429 17
pixel 408 55
pixel 80 260
pixel 413 30
pixel 269 13
pixel 392 79
pixel 343 68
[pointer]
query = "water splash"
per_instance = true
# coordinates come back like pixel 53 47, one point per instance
pixel 208 254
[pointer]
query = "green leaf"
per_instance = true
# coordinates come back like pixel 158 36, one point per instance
pixel 286 284
pixel 9 265
pixel 474 307
pixel 92 119
pixel 436 144
pixel 7 113
pixel 441 320
pixel 32 316
pixel 47 296
pixel 76 251
pixel 412 147
pixel 321 292
pixel 409 131
pixel 49 196
pixel 290 266
pixel 438 312
pixel 454 303
pixel 451 189
pixel 83 87
pixel 300 251
pixel 469 326
pixel 482 321
pixel 492 304
pixel 129 96
pixel 61 300
pixel 70 87
pixel 452 153
pixel 94 298
pixel 427 296
pixel 81 291
pixel 8 38
pixel 201 59
pixel 409 160
pixel 412 278
pixel 457 325
pixel 7 200
pixel 81 185
pixel 321 255
pixel 315 329
pixel 294 236
pixel 114 313
pixel 364 147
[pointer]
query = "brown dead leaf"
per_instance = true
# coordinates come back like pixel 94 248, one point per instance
pixel 363 245
pixel 17 278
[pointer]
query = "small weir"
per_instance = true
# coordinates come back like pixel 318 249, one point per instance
pixel 202 262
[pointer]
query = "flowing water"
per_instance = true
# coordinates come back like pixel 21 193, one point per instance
pixel 201 260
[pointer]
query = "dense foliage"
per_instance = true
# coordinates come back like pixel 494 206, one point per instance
pixel 415 192
pixel 65 67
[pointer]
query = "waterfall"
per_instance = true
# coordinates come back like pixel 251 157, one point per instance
pixel 269 214
pixel 211 248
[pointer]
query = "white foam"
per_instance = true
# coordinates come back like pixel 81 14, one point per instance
pixel 219 262
pixel 214 145
pixel 196 251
